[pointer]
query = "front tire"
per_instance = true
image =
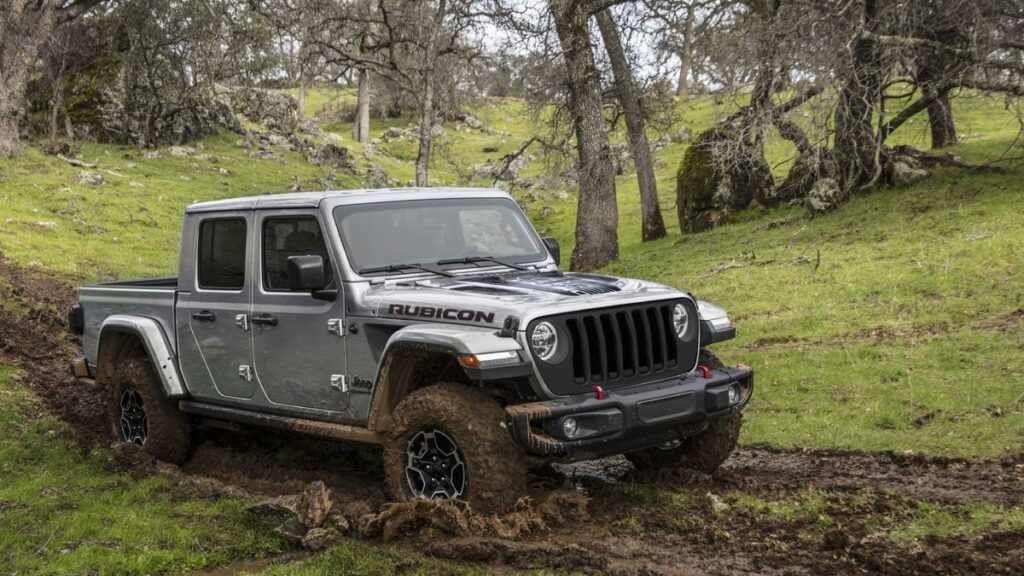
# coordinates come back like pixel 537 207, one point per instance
pixel 704 452
pixel 139 413
pixel 450 441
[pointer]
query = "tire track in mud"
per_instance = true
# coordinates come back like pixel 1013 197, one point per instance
pixel 558 528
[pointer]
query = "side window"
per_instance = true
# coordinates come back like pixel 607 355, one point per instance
pixel 289 236
pixel 222 254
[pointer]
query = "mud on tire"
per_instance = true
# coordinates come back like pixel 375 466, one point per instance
pixel 168 432
pixel 704 452
pixel 495 467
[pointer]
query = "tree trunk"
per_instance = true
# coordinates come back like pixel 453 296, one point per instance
pixel 361 125
pixel 23 28
pixel 653 224
pixel 597 219
pixel 686 55
pixel 426 134
pixel 302 96
pixel 940 117
pixel 858 151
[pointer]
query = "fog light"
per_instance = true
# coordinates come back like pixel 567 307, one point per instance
pixel 734 394
pixel 570 427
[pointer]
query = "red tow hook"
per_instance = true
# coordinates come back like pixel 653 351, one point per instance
pixel 601 394
pixel 704 370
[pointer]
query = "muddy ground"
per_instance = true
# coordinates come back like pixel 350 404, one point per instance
pixel 600 516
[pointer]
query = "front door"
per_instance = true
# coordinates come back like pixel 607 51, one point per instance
pixel 214 338
pixel 298 341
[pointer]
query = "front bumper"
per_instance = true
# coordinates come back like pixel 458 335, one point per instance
pixel 630 418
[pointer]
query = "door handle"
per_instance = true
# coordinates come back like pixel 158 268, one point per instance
pixel 264 319
pixel 204 316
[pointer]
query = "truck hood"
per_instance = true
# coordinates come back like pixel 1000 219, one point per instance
pixel 488 299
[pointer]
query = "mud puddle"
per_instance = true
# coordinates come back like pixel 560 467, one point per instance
pixel 597 516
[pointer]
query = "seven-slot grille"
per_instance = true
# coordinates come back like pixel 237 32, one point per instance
pixel 619 346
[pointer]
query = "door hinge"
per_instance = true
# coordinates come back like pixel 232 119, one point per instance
pixel 339 383
pixel 242 321
pixel 336 326
pixel 245 371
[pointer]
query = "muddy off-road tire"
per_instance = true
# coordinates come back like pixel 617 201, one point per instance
pixel 704 452
pixel 460 426
pixel 140 413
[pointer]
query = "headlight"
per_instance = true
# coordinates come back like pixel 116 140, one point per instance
pixel 680 320
pixel 544 340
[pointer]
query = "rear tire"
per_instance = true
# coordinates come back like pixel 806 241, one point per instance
pixel 453 426
pixel 704 452
pixel 140 413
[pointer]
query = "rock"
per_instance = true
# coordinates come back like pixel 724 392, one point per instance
pixel 808 168
pixel 377 177
pixel 825 195
pixel 437 131
pixel 134 184
pixel 278 111
pixel 395 133
pixel 264 155
pixel 181 151
pixel 337 521
pixel 473 122
pixel 314 504
pixel 91 178
pixel 320 538
pixel 905 173
pixel 720 173
pixel 292 530
pixel 152 154
pixel 278 140
pixel 717 504
pixel 275 511
pixel 330 155
pixel 490 149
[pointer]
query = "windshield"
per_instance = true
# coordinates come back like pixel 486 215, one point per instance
pixel 428 231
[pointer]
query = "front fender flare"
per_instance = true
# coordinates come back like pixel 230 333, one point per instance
pixel 158 349
pixel 397 375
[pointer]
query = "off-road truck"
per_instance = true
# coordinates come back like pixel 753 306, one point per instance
pixel 434 323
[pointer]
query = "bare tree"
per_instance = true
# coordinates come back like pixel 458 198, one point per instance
pixel 25 25
pixel 653 226
pixel 597 216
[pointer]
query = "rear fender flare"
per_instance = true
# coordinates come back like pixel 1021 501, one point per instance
pixel 153 338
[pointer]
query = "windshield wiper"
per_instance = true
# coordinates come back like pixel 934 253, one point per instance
pixel 476 259
pixel 402 267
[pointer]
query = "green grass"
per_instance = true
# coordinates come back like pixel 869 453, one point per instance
pixel 902 335
pixel 62 513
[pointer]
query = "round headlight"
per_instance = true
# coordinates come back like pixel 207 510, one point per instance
pixel 544 340
pixel 680 320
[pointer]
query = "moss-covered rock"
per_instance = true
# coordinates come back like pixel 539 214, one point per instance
pixel 720 174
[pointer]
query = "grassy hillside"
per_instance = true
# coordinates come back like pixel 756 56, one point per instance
pixel 895 323
pixel 892 323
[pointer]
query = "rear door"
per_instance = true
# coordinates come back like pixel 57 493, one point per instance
pixel 298 341
pixel 213 313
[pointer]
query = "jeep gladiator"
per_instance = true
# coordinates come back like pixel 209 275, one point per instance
pixel 431 322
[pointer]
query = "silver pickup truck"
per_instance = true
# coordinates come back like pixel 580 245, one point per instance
pixel 434 323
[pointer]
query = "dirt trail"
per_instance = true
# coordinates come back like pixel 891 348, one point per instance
pixel 560 527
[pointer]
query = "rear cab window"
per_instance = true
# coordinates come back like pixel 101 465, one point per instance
pixel 221 256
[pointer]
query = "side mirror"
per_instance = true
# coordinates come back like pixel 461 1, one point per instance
pixel 306 273
pixel 552 245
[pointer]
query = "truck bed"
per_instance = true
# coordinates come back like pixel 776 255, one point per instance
pixel 151 297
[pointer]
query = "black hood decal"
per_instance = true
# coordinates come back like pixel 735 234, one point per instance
pixel 553 282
